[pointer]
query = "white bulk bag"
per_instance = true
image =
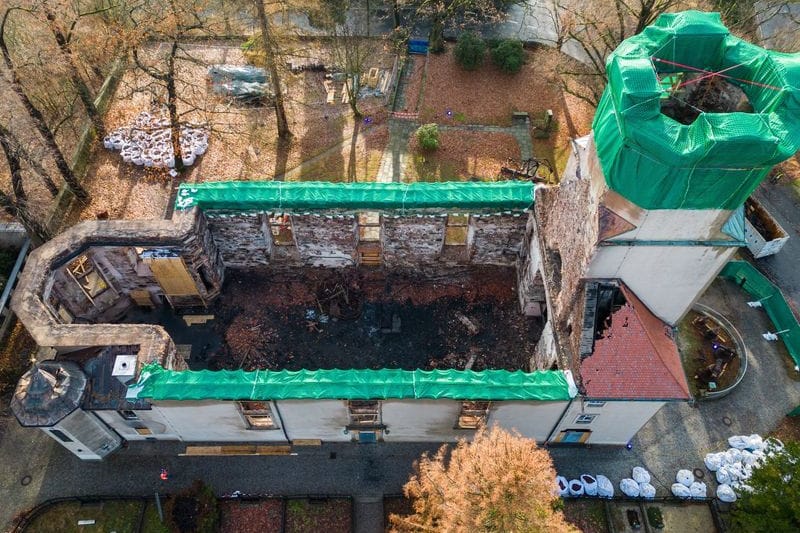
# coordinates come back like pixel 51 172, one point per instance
pixel 723 476
pixel 725 493
pixel 714 460
pixel 575 487
pixel 698 489
pixel 640 475
pixel 646 490
pixel 589 484
pixel 734 455
pixel 755 442
pixel 563 486
pixel 629 487
pixel 739 442
pixel 680 490
pixel 605 489
pixel 684 477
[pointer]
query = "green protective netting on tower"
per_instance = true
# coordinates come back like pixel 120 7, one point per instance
pixel 717 161
pixel 156 383
pixel 759 287
pixel 294 196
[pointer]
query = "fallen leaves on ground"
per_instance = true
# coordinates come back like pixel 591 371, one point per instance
pixel 461 155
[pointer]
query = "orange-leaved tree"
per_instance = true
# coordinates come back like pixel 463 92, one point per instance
pixel 499 481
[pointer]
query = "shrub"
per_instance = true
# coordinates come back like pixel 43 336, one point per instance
pixel 508 55
pixel 428 136
pixel 469 51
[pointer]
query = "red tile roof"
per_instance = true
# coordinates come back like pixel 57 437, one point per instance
pixel 636 358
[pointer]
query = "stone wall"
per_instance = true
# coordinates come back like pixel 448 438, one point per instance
pixel 497 238
pixel 325 240
pixel 242 240
pixel 411 241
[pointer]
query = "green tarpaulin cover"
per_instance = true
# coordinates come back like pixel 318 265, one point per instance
pixel 159 384
pixel 772 300
pixel 717 161
pixel 293 196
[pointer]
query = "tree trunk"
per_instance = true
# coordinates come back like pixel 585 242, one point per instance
pixel 7 137
pixel 436 37
pixel 19 209
pixel 39 122
pixel 172 108
pixel 83 90
pixel 396 14
pixel 272 67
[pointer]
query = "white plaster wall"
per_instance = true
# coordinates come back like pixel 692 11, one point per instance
pixel 678 224
pixel 422 420
pixel 213 421
pixel 315 419
pixel 668 279
pixel 534 420
pixel 617 421
pixel 151 419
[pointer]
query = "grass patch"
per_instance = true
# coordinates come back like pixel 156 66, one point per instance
pixel 588 516
pixel 121 516
pixel 151 522
pixel 16 351
pixel 310 516
pixel 7 259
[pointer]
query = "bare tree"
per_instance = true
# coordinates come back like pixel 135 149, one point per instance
pixel 270 54
pixel 16 204
pixel 36 116
pixel 497 482
pixel 351 54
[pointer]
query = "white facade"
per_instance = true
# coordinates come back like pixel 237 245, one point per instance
pixel 667 279
pixel 613 422
pixel 84 435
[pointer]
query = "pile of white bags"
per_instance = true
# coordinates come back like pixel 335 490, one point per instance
pixel 629 488
pixel 638 485
pixel 734 466
pixel 585 485
pixel 686 486
pixel 148 142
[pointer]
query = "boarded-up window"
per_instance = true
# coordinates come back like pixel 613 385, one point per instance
pixel 257 415
pixel 369 227
pixel 280 226
pixel 456 230
pixel 473 414
pixel 364 413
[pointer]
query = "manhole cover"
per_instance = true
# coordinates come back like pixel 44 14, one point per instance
pixel 26 480
pixel 727 420
pixel 698 473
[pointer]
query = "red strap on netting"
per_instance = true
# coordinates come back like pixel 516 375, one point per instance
pixel 712 73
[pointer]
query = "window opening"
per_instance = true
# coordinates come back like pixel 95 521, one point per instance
pixel 473 414
pixel 585 419
pixel 456 230
pixel 61 435
pixel 128 415
pixel 364 413
pixel 257 415
pixel 369 227
pixel 280 226
pixel 595 403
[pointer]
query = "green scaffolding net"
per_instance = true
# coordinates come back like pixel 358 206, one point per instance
pixel 716 161
pixel 157 383
pixel 293 196
pixel 750 279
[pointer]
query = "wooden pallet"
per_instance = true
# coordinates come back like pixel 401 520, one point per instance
pixel 238 449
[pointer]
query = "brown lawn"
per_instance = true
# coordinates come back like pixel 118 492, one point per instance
pixel 461 155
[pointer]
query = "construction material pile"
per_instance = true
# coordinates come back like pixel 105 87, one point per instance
pixel 734 466
pixel 638 485
pixel 586 485
pixel 148 142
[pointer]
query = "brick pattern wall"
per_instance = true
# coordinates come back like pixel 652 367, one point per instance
pixel 497 238
pixel 411 241
pixel 242 240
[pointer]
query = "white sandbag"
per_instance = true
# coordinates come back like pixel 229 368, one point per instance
pixel 755 442
pixel 725 493
pixel 748 458
pixel 739 442
pixel 684 477
pixel 680 490
pixel 734 455
pixel 735 471
pixel 575 487
pixel 629 487
pixel 723 476
pixel 759 455
pixel 563 486
pixel 589 484
pixel 605 489
pixel 698 489
pixel 772 445
pixel 646 490
pixel 713 461
pixel 640 475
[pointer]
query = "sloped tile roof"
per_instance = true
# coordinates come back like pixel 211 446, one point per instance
pixel 636 358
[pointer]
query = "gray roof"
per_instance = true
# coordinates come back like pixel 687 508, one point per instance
pixel 47 393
